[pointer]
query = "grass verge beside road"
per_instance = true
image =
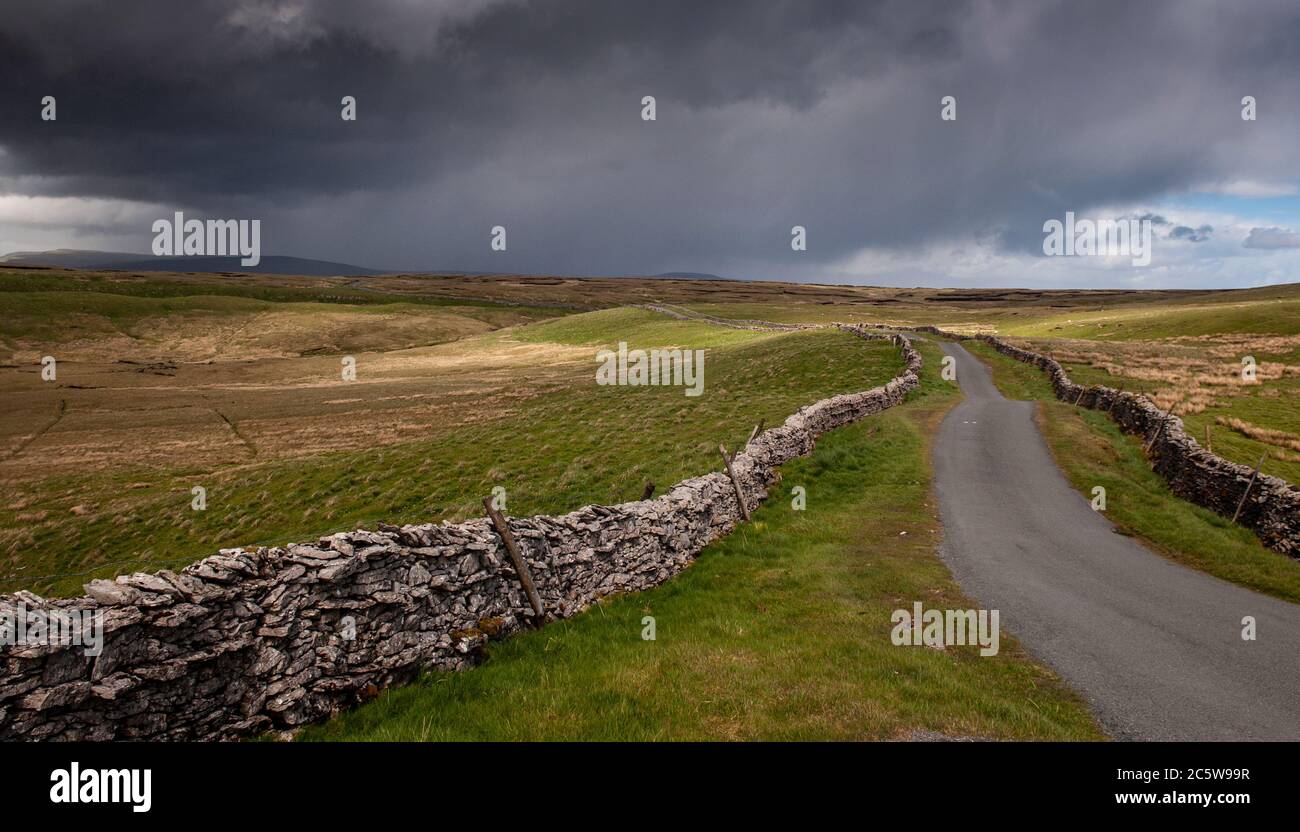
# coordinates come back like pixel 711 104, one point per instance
pixel 738 632
pixel 1093 451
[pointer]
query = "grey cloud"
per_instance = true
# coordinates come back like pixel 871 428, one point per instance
pixel 1192 235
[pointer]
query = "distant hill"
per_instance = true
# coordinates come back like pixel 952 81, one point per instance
pixel 65 258
pixel 75 258
pixel 70 258
pixel 691 276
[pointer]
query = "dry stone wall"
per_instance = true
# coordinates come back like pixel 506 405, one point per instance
pixel 271 638
pixel 1272 507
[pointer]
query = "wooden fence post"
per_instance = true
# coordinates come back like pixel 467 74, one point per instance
pixel 757 430
pixel 516 557
pixel 649 491
pixel 1164 423
pixel 1209 446
pixel 735 483
pixel 1249 485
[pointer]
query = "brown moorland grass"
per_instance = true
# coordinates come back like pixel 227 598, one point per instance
pixel 1201 379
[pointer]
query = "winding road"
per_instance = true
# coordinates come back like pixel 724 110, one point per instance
pixel 1155 647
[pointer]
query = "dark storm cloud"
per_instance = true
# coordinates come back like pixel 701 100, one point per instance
pixel 1192 235
pixel 526 114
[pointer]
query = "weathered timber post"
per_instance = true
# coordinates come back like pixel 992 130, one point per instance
pixel 517 558
pixel 735 483
pixel 1242 503
pixel 1079 398
pixel 1160 431
pixel 1209 446
pixel 757 430
pixel 649 491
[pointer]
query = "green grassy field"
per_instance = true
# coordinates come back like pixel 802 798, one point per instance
pixel 739 632
pixel 1092 451
pixel 576 443
pixel 639 328
pixel 169 381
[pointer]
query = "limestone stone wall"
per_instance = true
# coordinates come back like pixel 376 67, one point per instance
pixel 271 638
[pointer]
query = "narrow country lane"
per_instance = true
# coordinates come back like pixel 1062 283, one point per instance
pixel 1154 646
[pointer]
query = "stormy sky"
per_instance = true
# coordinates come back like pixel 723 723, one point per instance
pixel 528 115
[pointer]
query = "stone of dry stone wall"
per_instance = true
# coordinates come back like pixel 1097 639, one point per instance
pixel 1272 509
pixel 272 638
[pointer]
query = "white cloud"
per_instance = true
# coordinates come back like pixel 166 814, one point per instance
pixel 1220 261
pixel 36 223
pixel 1249 188
pixel 1272 238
